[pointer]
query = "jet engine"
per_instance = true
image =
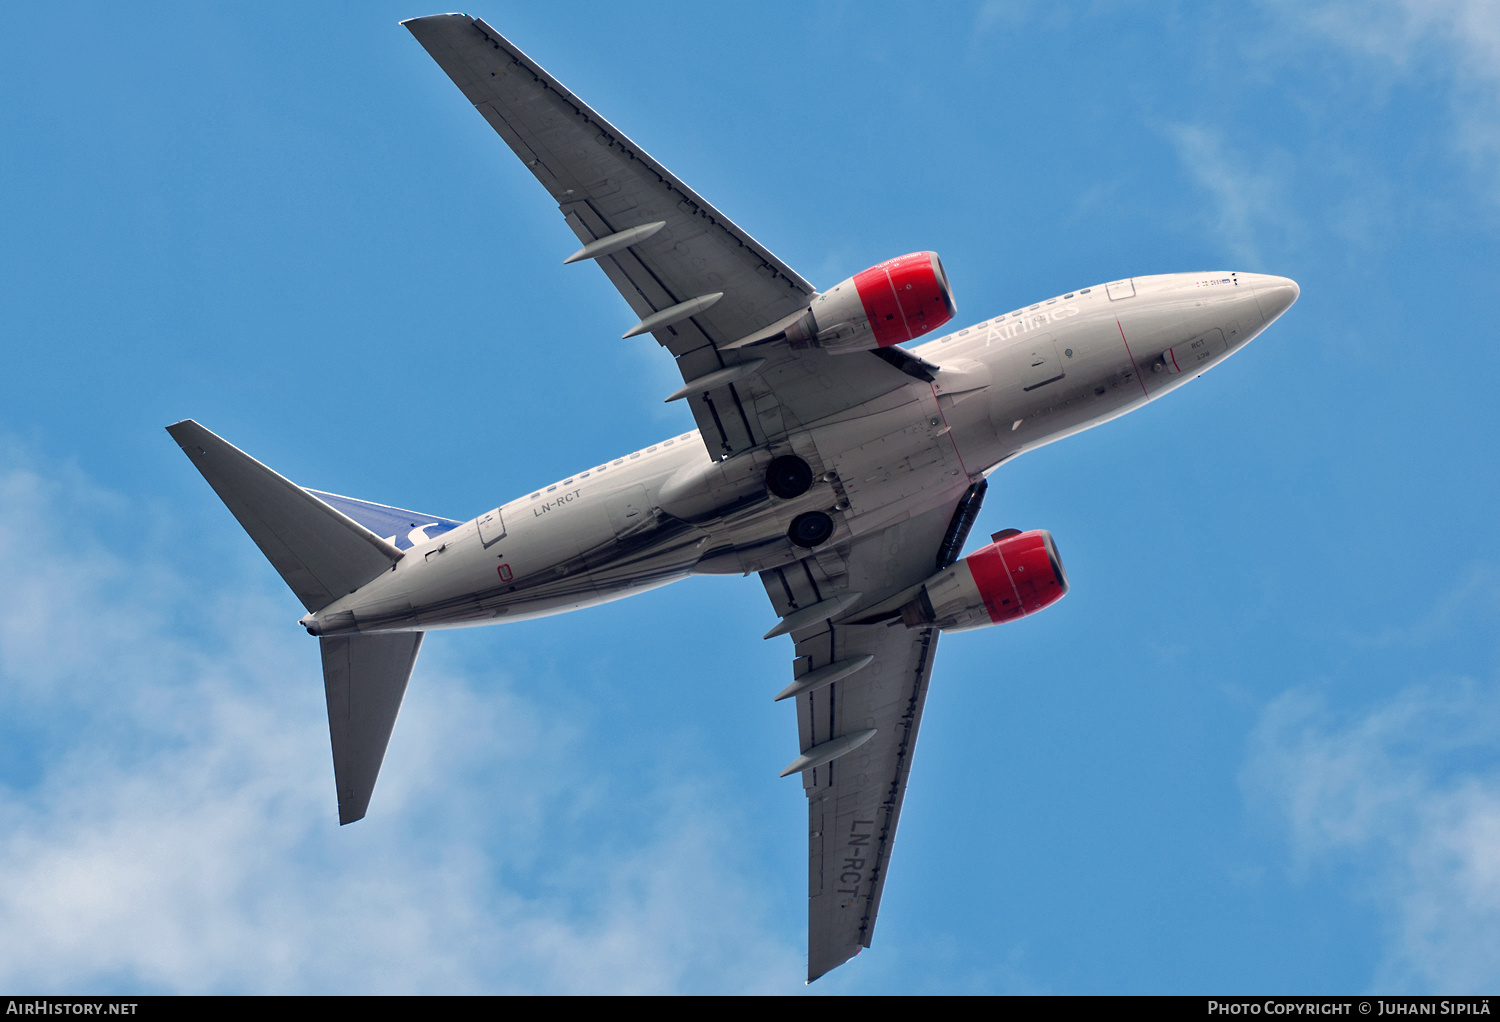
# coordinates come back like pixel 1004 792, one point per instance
pixel 894 301
pixel 1017 574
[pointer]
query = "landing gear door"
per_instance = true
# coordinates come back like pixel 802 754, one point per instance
pixel 491 527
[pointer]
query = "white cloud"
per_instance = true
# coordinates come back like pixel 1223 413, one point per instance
pixel 1249 208
pixel 1406 802
pixel 1457 42
pixel 168 823
pixel 994 15
pixel 1406 32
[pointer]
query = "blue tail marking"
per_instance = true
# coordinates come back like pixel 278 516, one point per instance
pixel 391 522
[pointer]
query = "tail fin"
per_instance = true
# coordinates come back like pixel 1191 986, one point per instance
pixel 320 552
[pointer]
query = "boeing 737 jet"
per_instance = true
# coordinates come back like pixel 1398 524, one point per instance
pixel 841 468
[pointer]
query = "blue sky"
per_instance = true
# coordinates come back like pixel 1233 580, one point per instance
pixel 1255 749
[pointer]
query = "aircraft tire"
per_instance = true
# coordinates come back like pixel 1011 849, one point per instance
pixel 810 529
pixel 788 476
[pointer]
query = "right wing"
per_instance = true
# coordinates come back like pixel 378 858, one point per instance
pixel 854 800
pixel 678 250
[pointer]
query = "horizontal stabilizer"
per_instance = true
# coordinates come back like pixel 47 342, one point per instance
pixel 364 677
pixel 320 552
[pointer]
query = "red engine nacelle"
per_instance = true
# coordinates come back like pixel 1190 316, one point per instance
pixel 1016 575
pixel 894 301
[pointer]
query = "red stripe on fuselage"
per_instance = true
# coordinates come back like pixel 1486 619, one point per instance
pixel 1139 378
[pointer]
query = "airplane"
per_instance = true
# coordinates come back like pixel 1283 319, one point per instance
pixel 841 468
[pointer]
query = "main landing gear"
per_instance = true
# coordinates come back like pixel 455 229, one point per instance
pixel 789 476
pixel 810 529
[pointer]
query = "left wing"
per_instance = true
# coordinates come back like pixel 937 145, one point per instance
pixel 697 281
pixel 857 731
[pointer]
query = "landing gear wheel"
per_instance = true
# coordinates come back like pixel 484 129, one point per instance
pixel 810 529
pixel 788 476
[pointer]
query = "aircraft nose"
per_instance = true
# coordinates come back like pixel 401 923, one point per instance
pixel 1275 295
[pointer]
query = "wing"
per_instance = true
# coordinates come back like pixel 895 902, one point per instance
pixel 859 691
pixel 696 280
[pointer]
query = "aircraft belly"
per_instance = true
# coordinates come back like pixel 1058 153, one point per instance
pixel 566 571
pixel 893 467
pixel 894 457
pixel 894 463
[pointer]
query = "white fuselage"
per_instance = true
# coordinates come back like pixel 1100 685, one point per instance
pixel 1006 385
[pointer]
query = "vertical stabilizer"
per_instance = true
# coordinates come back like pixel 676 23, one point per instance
pixel 364 677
